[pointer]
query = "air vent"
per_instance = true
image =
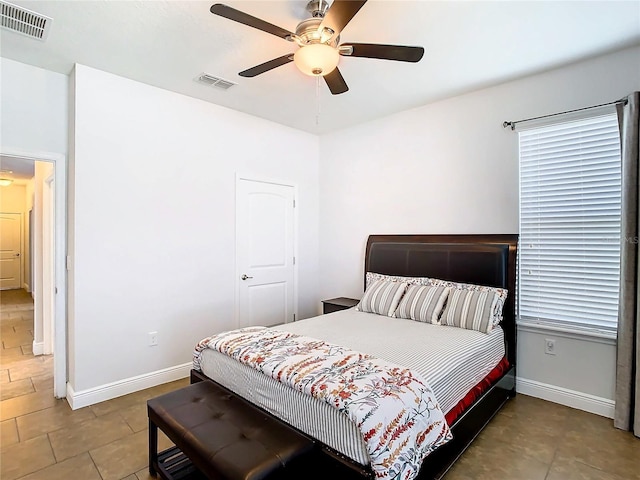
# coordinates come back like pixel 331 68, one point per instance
pixel 215 81
pixel 23 21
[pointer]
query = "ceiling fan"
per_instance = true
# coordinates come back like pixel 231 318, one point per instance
pixel 318 39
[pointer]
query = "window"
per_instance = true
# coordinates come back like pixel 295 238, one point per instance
pixel 569 255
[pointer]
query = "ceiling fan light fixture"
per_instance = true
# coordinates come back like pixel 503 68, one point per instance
pixel 317 59
pixel 326 34
pixel 318 40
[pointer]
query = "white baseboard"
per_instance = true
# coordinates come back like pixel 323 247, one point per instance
pixel 38 348
pixel 26 287
pixel 99 394
pixel 571 398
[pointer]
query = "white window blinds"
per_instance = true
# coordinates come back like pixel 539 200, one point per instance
pixel 569 255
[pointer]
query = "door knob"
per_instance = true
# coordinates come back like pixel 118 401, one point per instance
pixel 245 277
pixel 17 254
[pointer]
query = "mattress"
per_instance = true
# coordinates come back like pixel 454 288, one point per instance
pixel 451 359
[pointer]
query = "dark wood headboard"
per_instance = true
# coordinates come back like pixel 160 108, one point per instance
pixel 479 259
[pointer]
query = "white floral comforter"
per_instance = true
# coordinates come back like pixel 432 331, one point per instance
pixel 393 407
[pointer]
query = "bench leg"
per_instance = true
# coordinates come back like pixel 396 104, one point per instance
pixel 153 448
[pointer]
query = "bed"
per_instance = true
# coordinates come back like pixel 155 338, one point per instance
pixel 470 400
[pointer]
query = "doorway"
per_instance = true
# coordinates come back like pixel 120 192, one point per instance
pixel 44 272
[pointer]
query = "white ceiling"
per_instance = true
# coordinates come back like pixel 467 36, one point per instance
pixel 468 45
pixel 16 168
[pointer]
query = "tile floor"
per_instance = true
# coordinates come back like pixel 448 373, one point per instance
pixel 42 438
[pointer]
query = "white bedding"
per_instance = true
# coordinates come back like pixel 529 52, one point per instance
pixel 451 359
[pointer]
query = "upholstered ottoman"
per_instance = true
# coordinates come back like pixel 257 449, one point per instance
pixel 221 436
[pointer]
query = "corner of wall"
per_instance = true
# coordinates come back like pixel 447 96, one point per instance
pixel 71 162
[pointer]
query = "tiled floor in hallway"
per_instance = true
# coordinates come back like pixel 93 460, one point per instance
pixel 43 439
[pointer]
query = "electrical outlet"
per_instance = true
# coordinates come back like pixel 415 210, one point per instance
pixel 153 339
pixel 549 346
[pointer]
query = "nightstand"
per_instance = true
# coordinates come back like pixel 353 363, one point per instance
pixel 337 304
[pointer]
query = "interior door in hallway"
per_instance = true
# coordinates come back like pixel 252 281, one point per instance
pixel 264 252
pixel 10 250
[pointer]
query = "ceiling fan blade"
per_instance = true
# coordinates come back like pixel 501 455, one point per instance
pixel 339 14
pixel 335 82
pixel 266 66
pixel 241 17
pixel 385 52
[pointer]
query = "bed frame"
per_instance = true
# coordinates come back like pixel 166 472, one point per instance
pixel 480 259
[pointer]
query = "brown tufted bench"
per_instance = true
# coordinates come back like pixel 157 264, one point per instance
pixel 220 436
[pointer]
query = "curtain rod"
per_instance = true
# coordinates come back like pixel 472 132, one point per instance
pixel 513 124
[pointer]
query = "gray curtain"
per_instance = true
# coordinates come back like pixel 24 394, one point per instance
pixel 627 413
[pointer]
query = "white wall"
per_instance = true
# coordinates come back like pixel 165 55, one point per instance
pixel 152 207
pixel 13 199
pixel 450 167
pixel 33 113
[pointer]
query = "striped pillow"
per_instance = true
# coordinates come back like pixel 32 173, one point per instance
pixel 497 306
pixel 382 297
pixel 472 309
pixel 422 303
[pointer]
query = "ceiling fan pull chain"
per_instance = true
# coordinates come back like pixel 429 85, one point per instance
pixel 318 100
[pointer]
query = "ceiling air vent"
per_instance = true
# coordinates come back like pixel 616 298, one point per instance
pixel 215 81
pixel 23 21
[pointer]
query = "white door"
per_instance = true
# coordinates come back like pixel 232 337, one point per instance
pixel 10 250
pixel 264 252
